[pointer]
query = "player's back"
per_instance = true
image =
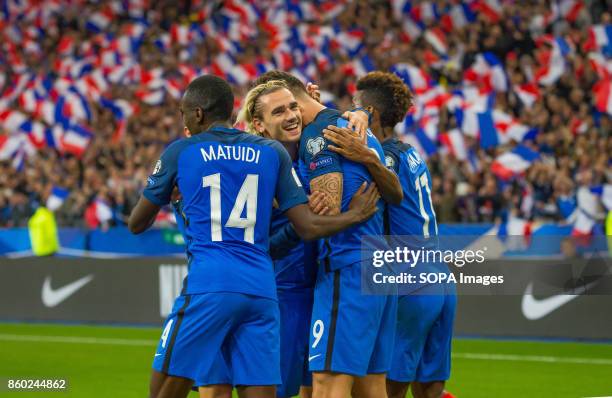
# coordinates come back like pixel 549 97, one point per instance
pixel 228 180
pixel 415 215
pixel 344 248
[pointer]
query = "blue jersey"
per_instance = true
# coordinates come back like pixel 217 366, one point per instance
pixel 415 215
pixel 298 269
pixel 228 180
pixel 316 159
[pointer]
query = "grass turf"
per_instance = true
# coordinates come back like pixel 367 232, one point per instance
pixel 115 362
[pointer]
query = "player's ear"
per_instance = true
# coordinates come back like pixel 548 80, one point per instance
pixel 259 127
pixel 199 114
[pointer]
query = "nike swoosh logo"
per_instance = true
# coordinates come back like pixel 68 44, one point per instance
pixel 313 357
pixel 157 355
pixel 535 309
pixel 52 297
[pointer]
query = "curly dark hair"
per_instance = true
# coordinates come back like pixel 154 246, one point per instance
pixel 388 94
pixel 295 85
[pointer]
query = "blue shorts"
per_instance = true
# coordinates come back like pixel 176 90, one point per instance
pixel 213 338
pixel 350 332
pixel 423 336
pixel 295 311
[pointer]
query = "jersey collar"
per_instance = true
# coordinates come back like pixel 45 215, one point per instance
pixel 222 129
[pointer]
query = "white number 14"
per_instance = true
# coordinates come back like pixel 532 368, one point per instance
pixel 247 196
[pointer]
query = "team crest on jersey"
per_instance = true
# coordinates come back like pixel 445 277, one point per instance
pixel 158 166
pixel 315 145
pixel 389 161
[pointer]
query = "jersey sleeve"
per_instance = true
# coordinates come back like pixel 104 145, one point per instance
pixel 314 152
pixel 289 191
pixel 163 179
pixel 392 161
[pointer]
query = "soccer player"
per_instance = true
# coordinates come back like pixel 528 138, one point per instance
pixel 270 110
pixel 351 334
pixel 228 181
pixel 425 317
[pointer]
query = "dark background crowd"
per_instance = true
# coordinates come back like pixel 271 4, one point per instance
pixel 574 139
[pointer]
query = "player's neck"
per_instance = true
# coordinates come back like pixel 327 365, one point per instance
pixel 387 133
pixel 382 134
pixel 217 123
pixel 310 109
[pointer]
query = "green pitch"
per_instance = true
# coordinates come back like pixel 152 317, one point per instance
pixel 115 362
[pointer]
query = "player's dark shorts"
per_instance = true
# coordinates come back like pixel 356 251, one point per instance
pixel 243 328
pixel 350 332
pixel 295 311
pixel 423 336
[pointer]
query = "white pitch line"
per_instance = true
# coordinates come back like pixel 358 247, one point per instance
pixel 151 343
pixel 532 358
pixel 77 340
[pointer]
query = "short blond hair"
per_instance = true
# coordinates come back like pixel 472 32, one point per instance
pixel 251 108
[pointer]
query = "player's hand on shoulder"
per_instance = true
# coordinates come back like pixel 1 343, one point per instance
pixel 358 121
pixel 313 90
pixel 347 143
pixel 318 203
pixel 365 200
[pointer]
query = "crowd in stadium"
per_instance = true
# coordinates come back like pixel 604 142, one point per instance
pixel 512 98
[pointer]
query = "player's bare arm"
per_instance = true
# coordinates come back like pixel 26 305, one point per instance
pixel 350 146
pixel 331 185
pixel 312 226
pixel 143 215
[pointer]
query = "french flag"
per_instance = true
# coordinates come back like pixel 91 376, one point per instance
pixel 12 120
pixel 174 88
pixel 359 66
pixel 180 34
pixel 459 16
pixel 454 142
pixel 487 70
pixel 351 41
pixel 600 38
pixel 9 145
pixel 99 21
pixel 54 136
pixel 416 78
pixel 554 62
pixel 437 39
pixel 528 93
pixel 57 198
pixel 424 144
pixel 102 211
pixel 29 101
pixel 494 128
pixel 36 133
pixel 425 12
pixel 514 162
pixel 603 96
pixel 601 65
pixel 492 9
pixel 242 74
pixel 411 30
pixel 76 139
pixel 568 9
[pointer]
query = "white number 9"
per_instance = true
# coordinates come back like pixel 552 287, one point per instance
pixel 317 332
